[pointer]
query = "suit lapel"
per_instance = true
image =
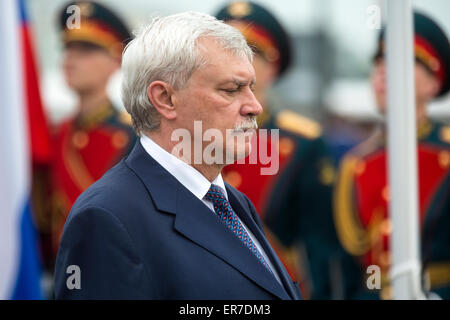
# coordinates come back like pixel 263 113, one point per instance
pixel 197 222
pixel 237 205
pixel 202 226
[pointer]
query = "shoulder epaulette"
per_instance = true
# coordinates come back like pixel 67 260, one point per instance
pixel 125 118
pixel 444 134
pixel 296 123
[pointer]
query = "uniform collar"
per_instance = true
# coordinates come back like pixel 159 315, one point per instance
pixel 93 117
pixel 424 129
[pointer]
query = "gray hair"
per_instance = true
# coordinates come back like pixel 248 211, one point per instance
pixel 166 50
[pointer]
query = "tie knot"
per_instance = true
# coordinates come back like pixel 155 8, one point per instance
pixel 215 193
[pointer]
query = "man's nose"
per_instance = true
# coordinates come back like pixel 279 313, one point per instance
pixel 251 106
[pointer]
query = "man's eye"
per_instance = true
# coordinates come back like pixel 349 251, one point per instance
pixel 234 90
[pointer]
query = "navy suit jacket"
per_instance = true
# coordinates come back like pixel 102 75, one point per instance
pixel 137 233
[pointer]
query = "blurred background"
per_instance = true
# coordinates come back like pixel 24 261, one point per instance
pixel 333 51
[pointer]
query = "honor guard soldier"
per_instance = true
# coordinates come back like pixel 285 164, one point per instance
pixel 362 193
pixel 99 135
pixel 295 201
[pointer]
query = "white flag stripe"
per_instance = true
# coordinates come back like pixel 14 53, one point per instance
pixel 14 160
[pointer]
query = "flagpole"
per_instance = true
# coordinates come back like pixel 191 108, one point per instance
pixel 405 273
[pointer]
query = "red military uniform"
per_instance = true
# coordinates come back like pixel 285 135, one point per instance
pixel 362 200
pixel 362 193
pixel 93 141
pixel 85 148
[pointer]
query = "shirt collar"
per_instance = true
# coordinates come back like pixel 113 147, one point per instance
pixel 187 175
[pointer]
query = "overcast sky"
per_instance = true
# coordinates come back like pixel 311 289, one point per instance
pixel 345 21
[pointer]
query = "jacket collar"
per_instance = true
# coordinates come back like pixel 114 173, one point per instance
pixel 199 224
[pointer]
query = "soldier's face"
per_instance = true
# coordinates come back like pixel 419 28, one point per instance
pixel 426 84
pixel 87 68
pixel 220 95
pixel 266 73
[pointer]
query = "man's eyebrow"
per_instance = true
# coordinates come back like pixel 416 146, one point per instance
pixel 241 83
pixel 238 82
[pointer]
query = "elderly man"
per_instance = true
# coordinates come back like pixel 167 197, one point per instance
pixel 159 225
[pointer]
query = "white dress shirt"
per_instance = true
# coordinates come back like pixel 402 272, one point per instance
pixel 195 182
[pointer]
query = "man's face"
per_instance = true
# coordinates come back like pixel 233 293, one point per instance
pixel 220 95
pixel 88 68
pixel 426 84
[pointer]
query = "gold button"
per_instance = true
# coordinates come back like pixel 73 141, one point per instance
pixel 80 139
pixel 119 140
pixel 360 168
pixel 234 178
pixel 386 227
pixel 286 146
pixel 385 193
pixel 444 159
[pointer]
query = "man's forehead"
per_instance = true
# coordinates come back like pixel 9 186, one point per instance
pixel 238 73
pixel 225 62
pixel 211 49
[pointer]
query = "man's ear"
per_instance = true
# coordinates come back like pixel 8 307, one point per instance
pixel 160 95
